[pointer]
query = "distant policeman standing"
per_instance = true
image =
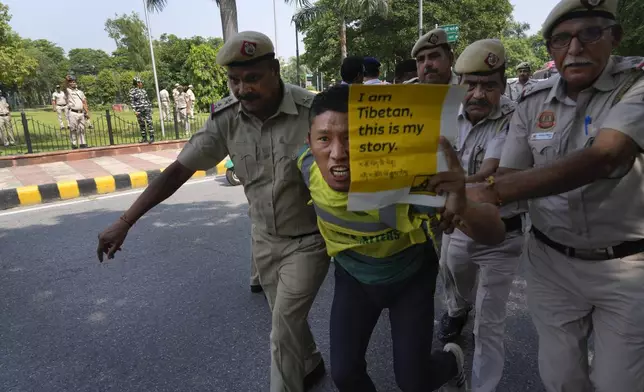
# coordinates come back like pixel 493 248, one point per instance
pixel 483 123
pixel 165 104
pixel 175 94
pixel 515 88
pixel 575 149
pixel 434 59
pixel 262 126
pixel 143 110
pixel 59 104
pixel 183 105
pixel 193 103
pixel 78 113
pixel 6 128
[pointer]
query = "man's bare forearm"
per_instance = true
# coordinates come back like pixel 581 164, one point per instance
pixel 164 186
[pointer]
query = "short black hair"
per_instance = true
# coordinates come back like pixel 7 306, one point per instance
pixel 351 67
pixel 405 66
pixel 335 99
pixel 371 70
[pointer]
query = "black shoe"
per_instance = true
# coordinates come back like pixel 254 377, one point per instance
pixel 83 146
pixel 151 139
pixel 143 140
pixel 74 147
pixel 313 378
pixel 451 327
pixel 256 288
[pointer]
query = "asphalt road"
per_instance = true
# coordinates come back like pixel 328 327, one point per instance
pixel 173 311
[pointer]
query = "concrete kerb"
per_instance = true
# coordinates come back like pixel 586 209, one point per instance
pixel 65 190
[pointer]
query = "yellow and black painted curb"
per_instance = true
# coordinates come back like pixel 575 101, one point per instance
pixel 65 190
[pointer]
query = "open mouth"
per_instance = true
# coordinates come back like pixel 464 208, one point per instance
pixel 340 173
pixel 575 65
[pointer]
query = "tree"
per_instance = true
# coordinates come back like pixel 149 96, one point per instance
pixel 629 13
pixel 128 32
pixel 50 70
pixel 208 78
pixel 346 12
pixel 289 71
pixel 15 62
pixel 85 61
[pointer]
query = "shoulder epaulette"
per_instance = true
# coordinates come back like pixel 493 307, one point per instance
pixel 302 96
pixel 538 86
pixel 507 106
pixel 223 104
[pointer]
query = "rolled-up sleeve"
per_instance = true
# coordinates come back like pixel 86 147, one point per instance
pixel 627 116
pixel 516 153
pixel 206 148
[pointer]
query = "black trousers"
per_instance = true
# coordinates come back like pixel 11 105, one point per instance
pixel 355 313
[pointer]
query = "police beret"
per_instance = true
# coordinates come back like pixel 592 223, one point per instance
pixel 571 9
pixel 245 48
pixel 372 61
pixel 524 65
pixel 430 40
pixel 481 56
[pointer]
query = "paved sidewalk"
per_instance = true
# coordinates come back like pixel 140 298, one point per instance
pixel 46 173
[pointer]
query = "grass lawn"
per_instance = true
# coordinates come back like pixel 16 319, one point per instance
pixel 45 133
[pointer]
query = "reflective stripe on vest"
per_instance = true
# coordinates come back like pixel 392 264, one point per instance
pixel 387 215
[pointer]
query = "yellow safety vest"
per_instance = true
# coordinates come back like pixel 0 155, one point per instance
pixel 376 233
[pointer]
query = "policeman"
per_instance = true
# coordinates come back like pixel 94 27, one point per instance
pixel 175 93
pixel 372 71
pixel 142 109
pixel 482 128
pixel 191 97
pixel 165 104
pixel 78 113
pixel 59 104
pixel 6 128
pixel 575 150
pixel 183 106
pixel 434 59
pixel 261 126
pixel 516 87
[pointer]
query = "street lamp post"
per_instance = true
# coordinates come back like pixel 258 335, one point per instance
pixel 420 18
pixel 154 68
pixel 275 25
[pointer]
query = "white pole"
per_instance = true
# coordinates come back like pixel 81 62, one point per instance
pixel 420 18
pixel 154 68
pixel 275 24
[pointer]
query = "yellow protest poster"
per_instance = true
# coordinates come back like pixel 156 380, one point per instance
pixel 393 141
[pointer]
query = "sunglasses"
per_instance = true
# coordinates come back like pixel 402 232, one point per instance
pixel 585 36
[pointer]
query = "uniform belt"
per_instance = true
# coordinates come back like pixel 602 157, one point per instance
pixel 77 111
pixel 622 250
pixel 61 104
pixel 513 224
pixel 4 115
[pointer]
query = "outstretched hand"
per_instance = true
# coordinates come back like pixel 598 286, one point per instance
pixel 451 182
pixel 111 239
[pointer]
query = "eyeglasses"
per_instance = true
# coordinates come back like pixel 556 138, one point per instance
pixel 585 36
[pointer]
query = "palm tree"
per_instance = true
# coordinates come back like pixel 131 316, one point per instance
pixel 342 9
pixel 227 11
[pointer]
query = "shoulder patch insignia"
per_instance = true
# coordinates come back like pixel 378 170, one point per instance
pixel 302 97
pixel 223 104
pixel 546 120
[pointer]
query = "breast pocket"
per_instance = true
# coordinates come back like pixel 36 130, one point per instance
pixel 545 147
pixel 244 157
pixel 286 155
pixel 476 160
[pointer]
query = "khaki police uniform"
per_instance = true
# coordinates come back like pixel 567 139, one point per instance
pixel 60 103
pixel 6 127
pixel 288 250
pixel 165 104
pixel 193 99
pixel 175 94
pixel 432 39
pixel 76 112
pixel 182 111
pixel 514 89
pixel 584 266
pixel 461 257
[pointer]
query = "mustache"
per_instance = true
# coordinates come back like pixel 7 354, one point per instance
pixel 577 60
pixel 429 70
pixel 479 102
pixel 249 97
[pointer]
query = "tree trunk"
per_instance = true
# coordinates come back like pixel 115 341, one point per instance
pixel 297 60
pixel 228 12
pixel 343 39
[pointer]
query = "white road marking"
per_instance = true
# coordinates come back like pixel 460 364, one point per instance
pixel 93 198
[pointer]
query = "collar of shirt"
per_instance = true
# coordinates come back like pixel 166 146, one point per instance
pixel 605 82
pixel 287 105
pixel 372 81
